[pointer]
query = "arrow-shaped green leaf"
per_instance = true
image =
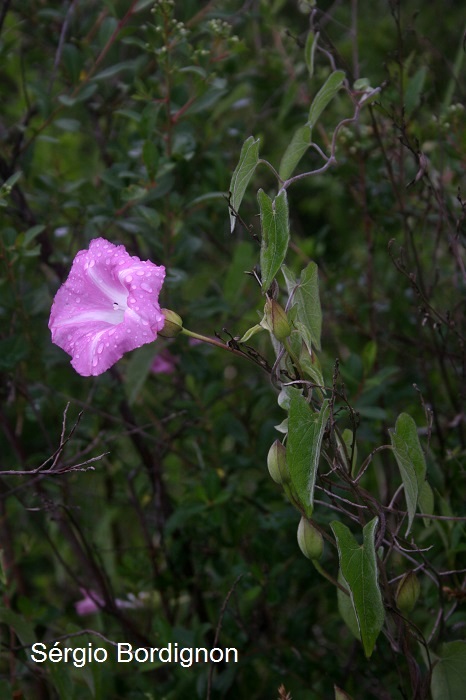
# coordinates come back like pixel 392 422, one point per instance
pixel 326 93
pixel 295 150
pixel 248 160
pixel 358 565
pixel 410 459
pixel 305 432
pixel 305 296
pixel 275 228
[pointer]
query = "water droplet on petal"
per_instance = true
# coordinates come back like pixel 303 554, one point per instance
pixel 100 348
pixel 146 287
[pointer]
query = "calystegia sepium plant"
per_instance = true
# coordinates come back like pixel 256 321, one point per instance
pixel 352 537
pixel 314 451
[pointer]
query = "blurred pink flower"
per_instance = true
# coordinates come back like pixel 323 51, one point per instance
pixel 164 363
pixel 194 341
pixel 91 603
pixel 107 306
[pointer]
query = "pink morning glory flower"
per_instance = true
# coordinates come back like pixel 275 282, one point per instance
pixel 107 306
pixel 164 363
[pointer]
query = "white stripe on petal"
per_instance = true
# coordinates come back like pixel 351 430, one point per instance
pixel 117 294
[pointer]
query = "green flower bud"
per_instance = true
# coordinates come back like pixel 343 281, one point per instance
pixel 275 320
pixel 407 592
pixel 173 324
pixel 310 540
pixel 276 463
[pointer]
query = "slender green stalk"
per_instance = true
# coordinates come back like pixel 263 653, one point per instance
pixel 212 341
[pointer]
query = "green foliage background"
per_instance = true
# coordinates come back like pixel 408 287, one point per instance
pixel 126 120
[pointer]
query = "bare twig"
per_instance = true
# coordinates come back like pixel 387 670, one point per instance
pixel 85 466
pixel 81 467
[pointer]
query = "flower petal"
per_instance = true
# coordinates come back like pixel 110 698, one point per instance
pixel 107 306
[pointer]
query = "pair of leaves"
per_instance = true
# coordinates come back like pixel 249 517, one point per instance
pixel 358 563
pixel 273 213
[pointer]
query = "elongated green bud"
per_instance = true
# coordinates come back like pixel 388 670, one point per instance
pixel 276 463
pixel 173 324
pixel 275 320
pixel 310 540
pixel 407 592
